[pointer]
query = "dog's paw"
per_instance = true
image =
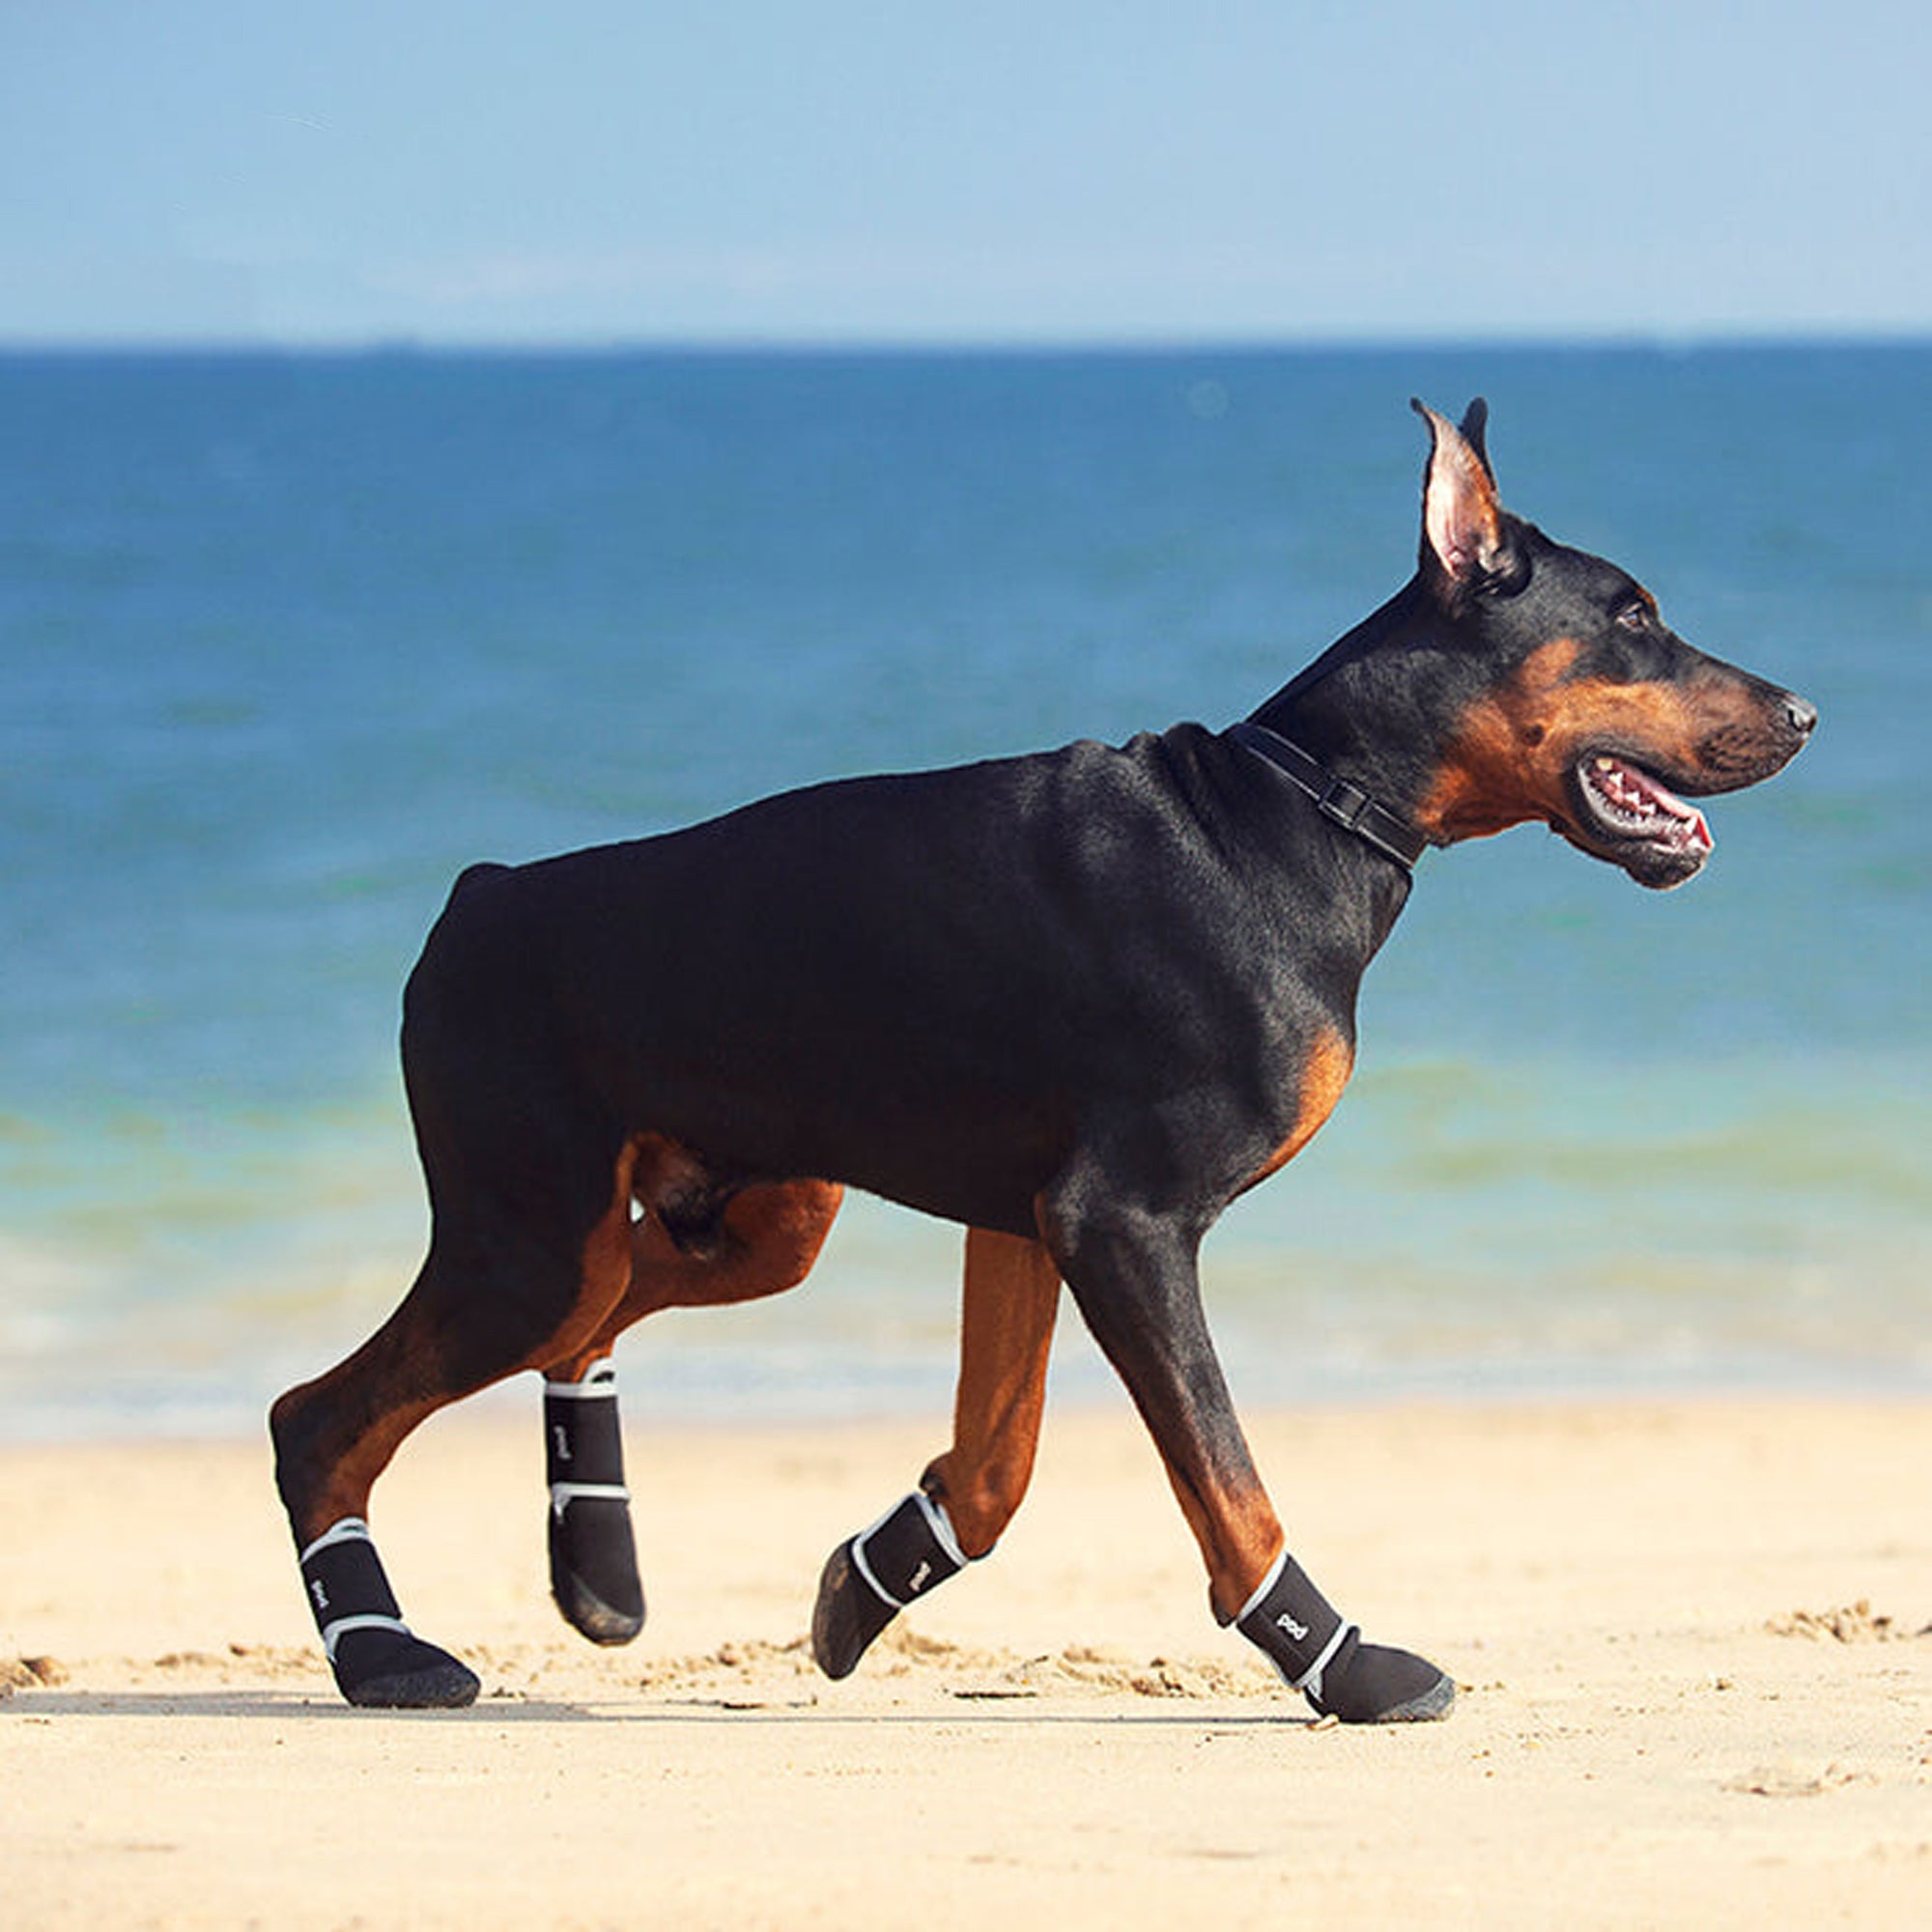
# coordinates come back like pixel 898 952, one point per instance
pixel 848 1615
pixel 396 1670
pixel 1372 1684
pixel 593 1569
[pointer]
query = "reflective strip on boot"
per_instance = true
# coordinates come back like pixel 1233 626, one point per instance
pixel 583 1443
pixel 346 1586
pixel 908 1552
pixel 1295 1626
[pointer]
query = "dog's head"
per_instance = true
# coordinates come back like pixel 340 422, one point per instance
pixel 1572 700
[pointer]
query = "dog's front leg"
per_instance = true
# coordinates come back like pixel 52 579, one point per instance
pixel 968 1496
pixel 1135 1277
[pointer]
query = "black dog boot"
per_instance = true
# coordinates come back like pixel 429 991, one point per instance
pixel 1324 1657
pixel 593 1558
pixel 378 1661
pixel 869 1579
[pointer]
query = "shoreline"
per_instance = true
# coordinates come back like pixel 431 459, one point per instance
pixel 1673 1708
pixel 786 1379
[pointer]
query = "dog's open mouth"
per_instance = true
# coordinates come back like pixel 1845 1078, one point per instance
pixel 1634 818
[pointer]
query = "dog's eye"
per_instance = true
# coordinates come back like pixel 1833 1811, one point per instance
pixel 1634 615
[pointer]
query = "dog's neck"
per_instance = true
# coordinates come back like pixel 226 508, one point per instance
pixel 1347 804
pixel 1363 712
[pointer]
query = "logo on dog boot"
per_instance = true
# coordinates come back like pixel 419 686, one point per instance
pixel 919 1579
pixel 1287 1623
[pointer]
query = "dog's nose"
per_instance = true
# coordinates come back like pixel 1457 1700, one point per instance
pixel 1802 717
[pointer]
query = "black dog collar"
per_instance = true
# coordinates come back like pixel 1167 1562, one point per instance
pixel 1347 804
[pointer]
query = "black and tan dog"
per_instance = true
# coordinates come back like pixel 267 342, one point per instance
pixel 1076 1003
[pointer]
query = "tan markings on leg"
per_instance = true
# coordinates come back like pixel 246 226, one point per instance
pixel 1239 1534
pixel 607 1270
pixel 401 1376
pixel 768 1235
pixel 1233 1521
pixel 343 1485
pixel 1330 1061
pixel 1010 1298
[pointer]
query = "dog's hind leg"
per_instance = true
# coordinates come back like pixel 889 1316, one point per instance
pixel 594 1554
pixel 692 1245
pixel 492 1298
pixel 968 1496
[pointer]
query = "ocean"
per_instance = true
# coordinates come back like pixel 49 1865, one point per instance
pixel 289 640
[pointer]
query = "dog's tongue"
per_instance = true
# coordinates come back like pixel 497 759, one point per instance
pixel 1633 790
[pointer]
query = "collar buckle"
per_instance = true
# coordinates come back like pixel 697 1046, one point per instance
pixel 1339 800
pixel 1345 802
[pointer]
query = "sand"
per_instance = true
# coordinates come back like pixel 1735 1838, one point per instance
pixel 1690 1635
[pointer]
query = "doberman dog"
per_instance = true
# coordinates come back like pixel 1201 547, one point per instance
pixel 1075 1001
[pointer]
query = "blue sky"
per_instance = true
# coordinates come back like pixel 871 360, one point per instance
pixel 590 172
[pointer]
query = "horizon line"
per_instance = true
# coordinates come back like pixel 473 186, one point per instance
pixel 858 344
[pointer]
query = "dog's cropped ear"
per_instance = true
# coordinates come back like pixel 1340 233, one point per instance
pixel 1474 431
pixel 1463 538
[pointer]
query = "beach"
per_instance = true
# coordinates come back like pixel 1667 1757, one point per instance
pixel 1690 1635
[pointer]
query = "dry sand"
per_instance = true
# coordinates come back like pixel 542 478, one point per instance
pixel 1697 1689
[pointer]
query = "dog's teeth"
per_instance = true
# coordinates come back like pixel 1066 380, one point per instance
pixel 1606 764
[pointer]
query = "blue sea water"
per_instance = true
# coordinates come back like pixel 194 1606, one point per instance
pixel 289 640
